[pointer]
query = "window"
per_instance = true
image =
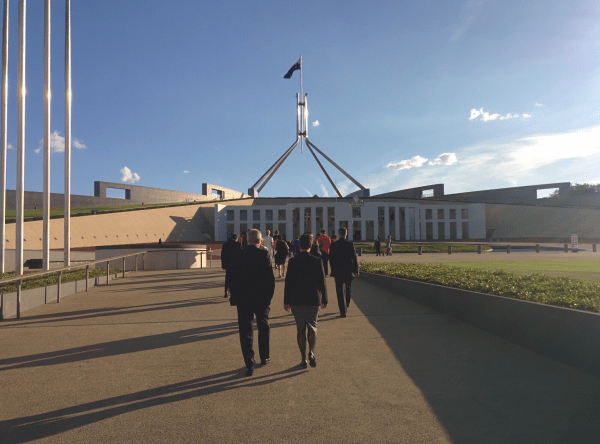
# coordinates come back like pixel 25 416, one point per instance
pixel 230 229
pixel 429 214
pixel 464 214
pixel 307 219
pixel 356 230
pixel 453 230
pixel 331 220
pixel 256 227
pixel 281 214
pixel 427 193
pixel 356 212
pixel 402 220
pixel 392 222
pixel 319 220
pixel 230 216
pixel 243 214
pixel 344 224
pixel 269 215
pixel 441 214
pixel 441 230
pixel 453 214
pixel 269 227
pixel 465 230
pixel 381 222
pixel 282 231
pixel 243 228
pixel 255 214
pixel 429 230
pixel 370 230
pixel 295 222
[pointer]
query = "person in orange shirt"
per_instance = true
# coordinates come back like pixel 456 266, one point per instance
pixel 324 242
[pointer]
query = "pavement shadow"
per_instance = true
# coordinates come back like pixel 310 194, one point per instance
pixel 482 388
pixel 25 429
pixel 130 345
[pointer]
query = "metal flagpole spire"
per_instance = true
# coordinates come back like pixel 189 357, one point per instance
pixel 47 99
pixel 302 137
pixel 68 101
pixel 4 137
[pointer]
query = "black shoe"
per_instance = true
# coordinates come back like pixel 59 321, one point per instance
pixel 312 360
pixel 303 365
pixel 265 361
pixel 342 315
pixel 249 371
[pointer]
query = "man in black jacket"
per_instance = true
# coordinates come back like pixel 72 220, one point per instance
pixel 227 252
pixel 344 266
pixel 252 283
pixel 304 293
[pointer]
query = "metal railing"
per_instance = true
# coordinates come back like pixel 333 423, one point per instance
pixel 20 278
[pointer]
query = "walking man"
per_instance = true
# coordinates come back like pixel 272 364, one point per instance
pixel 324 242
pixel 228 251
pixel 268 242
pixel 252 284
pixel 344 267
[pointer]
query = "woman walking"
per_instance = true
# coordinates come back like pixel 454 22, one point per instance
pixel 281 254
pixel 304 293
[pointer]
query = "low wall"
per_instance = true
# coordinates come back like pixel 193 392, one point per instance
pixel 43 295
pixel 164 257
pixel 567 335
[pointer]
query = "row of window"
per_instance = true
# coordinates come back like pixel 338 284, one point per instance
pixel 356 214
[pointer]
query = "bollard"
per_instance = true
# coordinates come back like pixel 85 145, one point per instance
pixel 508 248
pixel 360 251
pixel 123 267
pixel 537 248
pixel 87 277
pixel 478 249
pixel 19 282
pixel 107 271
pixel 58 287
pixel 449 249
pixel 566 248
pixel 210 258
pixel 136 256
pixel 420 250
pixel 594 248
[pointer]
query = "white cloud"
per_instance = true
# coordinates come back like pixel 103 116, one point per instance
pixel 128 176
pixel 444 159
pixel 525 116
pixel 416 162
pixel 538 104
pixel 186 172
pixel 9 146
pixel 316 123
pixel 324 191
pixel 480 114
pixel 309 193
pixel 57 143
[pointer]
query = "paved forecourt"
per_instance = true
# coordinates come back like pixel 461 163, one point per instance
pixel 155 357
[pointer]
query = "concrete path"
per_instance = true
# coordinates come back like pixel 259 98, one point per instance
pixel 155 358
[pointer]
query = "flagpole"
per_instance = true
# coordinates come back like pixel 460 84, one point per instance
pixel 301 99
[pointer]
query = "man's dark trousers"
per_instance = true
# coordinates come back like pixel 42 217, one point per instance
pixel 325 259
pixel 245 318
pixel 343 290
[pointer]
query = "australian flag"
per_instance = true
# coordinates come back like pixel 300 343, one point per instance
pixel 292 69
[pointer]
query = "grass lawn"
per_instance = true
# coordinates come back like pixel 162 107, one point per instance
pixel 427 248
pixel 584 269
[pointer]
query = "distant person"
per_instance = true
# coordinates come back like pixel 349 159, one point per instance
pixel 304 293
pixel 268 242
pixel 252 286
pixel 377 247
pixel 324 243
pixel 228 250
pixel 344 267
pixel 314 249
pixel 160 241
pixel 281 254
pixel 296 245
pixel 388 245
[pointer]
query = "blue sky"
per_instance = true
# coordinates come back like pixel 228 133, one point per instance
pixel 472 94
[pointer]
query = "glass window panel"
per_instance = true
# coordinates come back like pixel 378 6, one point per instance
pixel 356 230
pixel 370 230
pixel 230 216
pixel 402 220
pixel 356 212
pixel 464 214
pixel 307 219
pixel 453 214
pixel 429 230
pixel 453 230
pixel 281 214
pixel 243 214
pixel 465 230
pixel 319 219
pixel 392 222
pixel 429 214
pixel 255 214
pixel 441 230
pixel 440 214
pixel 269 215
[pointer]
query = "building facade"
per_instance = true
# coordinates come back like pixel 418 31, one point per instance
pixel 403 219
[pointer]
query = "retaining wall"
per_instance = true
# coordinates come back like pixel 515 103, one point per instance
pixel 569 336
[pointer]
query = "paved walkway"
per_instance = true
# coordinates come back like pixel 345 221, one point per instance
pixel 155 358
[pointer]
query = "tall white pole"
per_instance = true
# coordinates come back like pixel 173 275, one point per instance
pixel 47 99
pixel 21 92
pixel 3 138
pixel 68 100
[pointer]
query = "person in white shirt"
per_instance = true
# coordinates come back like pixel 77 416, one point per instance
pixel 268 242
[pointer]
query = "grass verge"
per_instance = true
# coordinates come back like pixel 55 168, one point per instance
pixel 427 248
pixel 559 291
pixel 52 279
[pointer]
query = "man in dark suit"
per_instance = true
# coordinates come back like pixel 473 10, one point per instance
pixel 344 267
pixel 252 283
pixel 305 292
pixel 227 252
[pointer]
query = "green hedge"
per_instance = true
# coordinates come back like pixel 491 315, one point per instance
pixel 427 248
pixel 559 291
pixel 52 279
